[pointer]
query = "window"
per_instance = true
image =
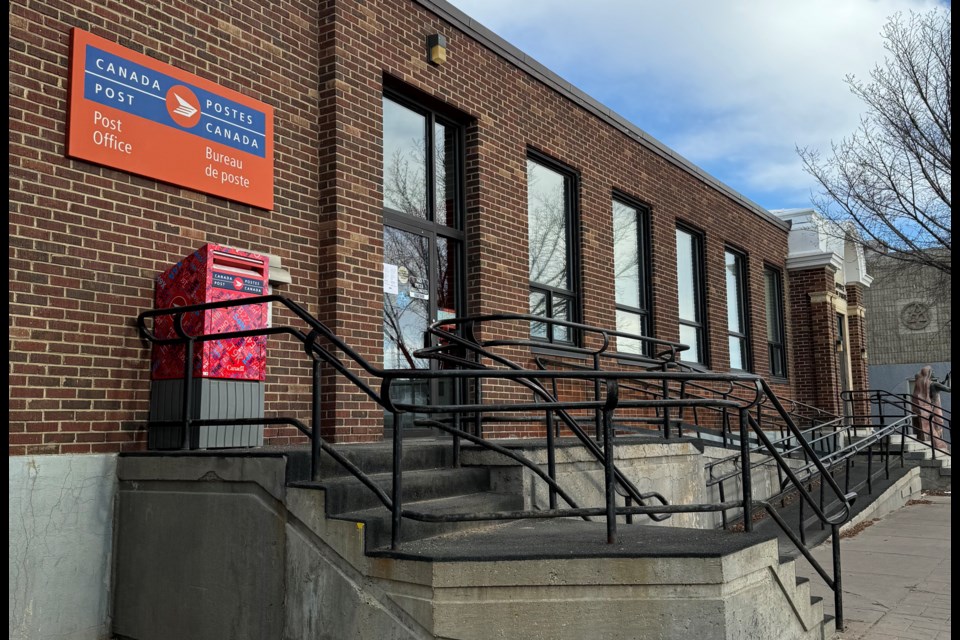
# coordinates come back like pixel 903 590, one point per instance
pixel 631 269
pixel 690 295
pixel 773 283
pixel 551 212
pixel 736 269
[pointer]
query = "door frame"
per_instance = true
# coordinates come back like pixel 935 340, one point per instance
pixel 433 230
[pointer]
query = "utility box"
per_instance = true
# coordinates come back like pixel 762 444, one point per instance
pixel 228 375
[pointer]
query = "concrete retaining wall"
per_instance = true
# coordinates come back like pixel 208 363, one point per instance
pixel 675 470
pixel 212 547
pixel 61 541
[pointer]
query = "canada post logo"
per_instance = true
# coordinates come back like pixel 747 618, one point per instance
pixel 125 85
pixel 183 106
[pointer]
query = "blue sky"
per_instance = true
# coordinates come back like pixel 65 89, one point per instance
pixel 734 86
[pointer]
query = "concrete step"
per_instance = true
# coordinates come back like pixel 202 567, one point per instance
pixel 347 494
pixel 829 626
pixel 378 457
pixel 927 458
pixel 377 521
pixel 941 461
pixel 561 579
pixel 907 444
pixel 808 607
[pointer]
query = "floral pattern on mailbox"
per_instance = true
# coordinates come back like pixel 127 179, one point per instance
pixel 210 274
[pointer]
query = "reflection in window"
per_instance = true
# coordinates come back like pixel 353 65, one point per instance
pixel 404 160
pixel 631 269
pixel 422 240
pixel 550 195
pixel 690 295
pixel 736 310
pixel 547 225
pixel 406 308
pixel 773 284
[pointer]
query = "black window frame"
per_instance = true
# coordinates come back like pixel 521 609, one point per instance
pixel 743 304
pixel 431 228
pixel 645 310
pixel 699 324
pixel 434 116
pixel 774 347
pixel 572 236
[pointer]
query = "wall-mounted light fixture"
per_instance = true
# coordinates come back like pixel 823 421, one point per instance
pixel 437 48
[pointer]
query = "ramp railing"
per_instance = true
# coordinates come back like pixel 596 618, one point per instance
pixel 469 353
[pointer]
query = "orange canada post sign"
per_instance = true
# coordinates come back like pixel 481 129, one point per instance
pixel 133 113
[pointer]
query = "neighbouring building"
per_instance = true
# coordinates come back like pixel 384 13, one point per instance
pixel 388 189
pixel 910 323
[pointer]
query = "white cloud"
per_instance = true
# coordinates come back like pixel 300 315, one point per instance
pixel 733 86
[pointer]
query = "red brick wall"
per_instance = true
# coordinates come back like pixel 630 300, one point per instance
pixel 86 242
pixel 814 338
pixel 512 112
pixel 857 338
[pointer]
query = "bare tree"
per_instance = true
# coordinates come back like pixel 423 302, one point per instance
pixel 891 178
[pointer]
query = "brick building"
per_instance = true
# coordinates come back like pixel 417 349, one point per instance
pixel 482 183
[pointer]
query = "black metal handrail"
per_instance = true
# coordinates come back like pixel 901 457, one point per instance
pixel 481 349
pixel 464 355
pixel 891 405
pixel 319 354
pixel 844 498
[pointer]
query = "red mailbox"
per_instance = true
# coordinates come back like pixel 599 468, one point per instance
pixel 210 274
pixel 228 375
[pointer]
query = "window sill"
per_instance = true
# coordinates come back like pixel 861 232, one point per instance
pixel 565 351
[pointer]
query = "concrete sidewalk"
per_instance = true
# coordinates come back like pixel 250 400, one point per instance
pixel 896 575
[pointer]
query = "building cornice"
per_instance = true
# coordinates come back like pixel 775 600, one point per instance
pixel 829 260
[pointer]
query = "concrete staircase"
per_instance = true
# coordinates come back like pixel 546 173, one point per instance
pixel 430 485
pixel 934 469
pixel 303 559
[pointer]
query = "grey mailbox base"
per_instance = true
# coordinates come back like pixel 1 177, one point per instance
pixel 211 399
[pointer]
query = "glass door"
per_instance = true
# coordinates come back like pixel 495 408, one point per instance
pixel 422 244
pixel 407 308
pixel 420 275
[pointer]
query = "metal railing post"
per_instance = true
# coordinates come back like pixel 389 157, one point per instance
pixel 823 524
pixel 745 474
pixel 666 410
pixel 881 417
pixel 837 582
pixel 598 414
pixel 723 513
pixel 725 422
pixel 803 529
pixel 477 388
pixel 187 396
pixel 608 476
pixel 933 445
pixel 551 457
pixel 315 423
pixel 458 394
pixel 397 481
